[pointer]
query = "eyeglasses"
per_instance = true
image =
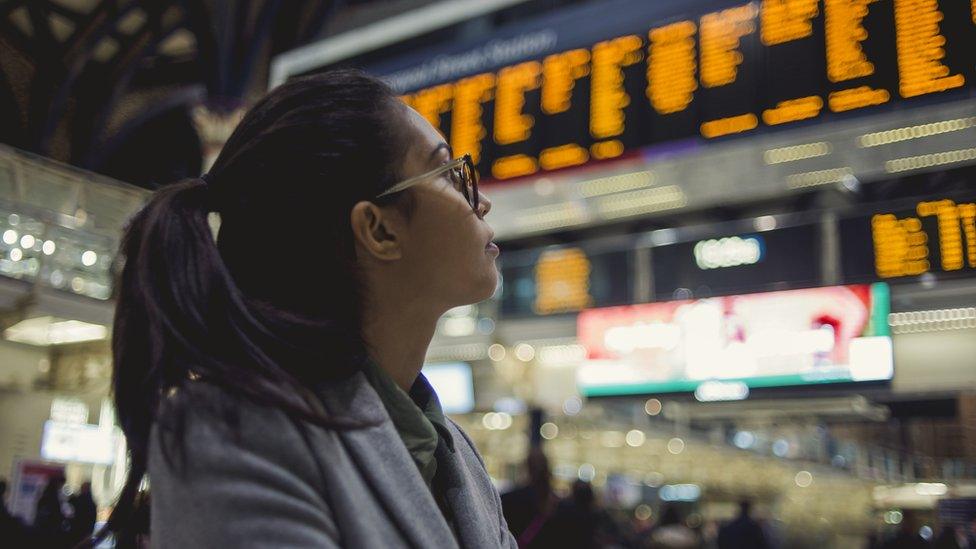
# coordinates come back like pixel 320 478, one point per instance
pixel 463 177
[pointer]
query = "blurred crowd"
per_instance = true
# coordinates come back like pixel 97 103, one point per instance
pixel 61 520
pixel 540 519
pixel 537 516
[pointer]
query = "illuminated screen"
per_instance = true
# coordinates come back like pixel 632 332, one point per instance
pixel 62 441
pixel 782 258
pixel 798 337
pixel 564 280
pixel 453 384
pixel 935 237
pixel 763 64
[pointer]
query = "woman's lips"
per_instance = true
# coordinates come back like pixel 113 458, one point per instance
pixel 492 248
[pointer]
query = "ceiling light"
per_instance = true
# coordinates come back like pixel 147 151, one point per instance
pixel 46 330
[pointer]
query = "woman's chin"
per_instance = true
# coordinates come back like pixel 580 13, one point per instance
pixel 486 287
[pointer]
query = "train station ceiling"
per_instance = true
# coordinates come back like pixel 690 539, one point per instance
pixel 102 84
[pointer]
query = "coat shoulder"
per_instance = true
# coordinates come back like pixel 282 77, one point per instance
pixel 226 470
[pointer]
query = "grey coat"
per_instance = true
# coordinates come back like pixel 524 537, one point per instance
pixel 358 488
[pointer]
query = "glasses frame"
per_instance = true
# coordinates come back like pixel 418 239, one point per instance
pixel 465 162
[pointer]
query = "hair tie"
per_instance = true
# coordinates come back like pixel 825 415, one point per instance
pixel 206 178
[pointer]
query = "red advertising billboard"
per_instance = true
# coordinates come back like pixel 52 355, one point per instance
pixel 728 345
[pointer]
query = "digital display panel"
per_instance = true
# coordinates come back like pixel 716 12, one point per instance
pixel 935 237
pixel 723 72
pixel 64 441
pixel 769 260
pixel 564 280
pixel 453 383
pixel 791 338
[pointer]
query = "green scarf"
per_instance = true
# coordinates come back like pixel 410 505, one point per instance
pixel 417 417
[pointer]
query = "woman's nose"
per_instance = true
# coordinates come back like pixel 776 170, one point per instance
pixel 484 204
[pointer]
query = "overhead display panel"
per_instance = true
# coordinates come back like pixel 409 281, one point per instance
pixel 595 82
pixel 723 347
pixel 776 259
pixel 564 280
pixel 898 242
pixel 930 237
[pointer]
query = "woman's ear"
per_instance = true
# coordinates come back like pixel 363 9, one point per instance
pixel 376 231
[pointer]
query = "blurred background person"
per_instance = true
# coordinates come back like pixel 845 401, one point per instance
pixel 12 531
pixel 743 532
pixel 50 520
pixel 528 508
pixel 671 531
pixel 84 515
pixel 580 522
pixel 908 535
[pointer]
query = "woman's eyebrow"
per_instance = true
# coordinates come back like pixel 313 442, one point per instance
pixel 438 148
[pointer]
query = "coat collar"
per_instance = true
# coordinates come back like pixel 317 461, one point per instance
pixel 463 494
pixel 384 462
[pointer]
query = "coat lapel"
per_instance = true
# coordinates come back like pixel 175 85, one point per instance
pixel 384 462
pixel 466 498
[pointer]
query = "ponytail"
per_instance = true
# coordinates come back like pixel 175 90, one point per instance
pixel 166 246
pixel 180 317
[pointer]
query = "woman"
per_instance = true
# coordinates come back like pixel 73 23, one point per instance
pixel 269 381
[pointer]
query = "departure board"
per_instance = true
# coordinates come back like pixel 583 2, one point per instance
pixel 564 280
pixel 728 71
pixel 796 65
pixel 734 71
pixel 936 237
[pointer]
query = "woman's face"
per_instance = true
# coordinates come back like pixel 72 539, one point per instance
pixel 445 252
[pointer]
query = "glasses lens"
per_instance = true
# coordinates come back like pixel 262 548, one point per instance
pixel 470 183
pixel 457 179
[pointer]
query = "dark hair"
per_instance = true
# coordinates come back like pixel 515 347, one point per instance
pixel 272 309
